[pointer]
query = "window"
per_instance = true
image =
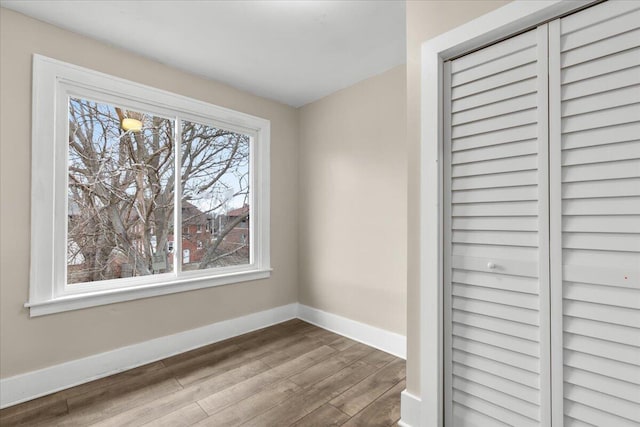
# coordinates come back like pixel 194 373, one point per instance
pixel 130 174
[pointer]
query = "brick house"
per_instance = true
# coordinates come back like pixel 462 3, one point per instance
pixel 240 234
pixel 197 234
pixel 199 230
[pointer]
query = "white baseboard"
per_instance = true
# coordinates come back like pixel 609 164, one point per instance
pixel 31 385
pixel 409 410
pixel 381 339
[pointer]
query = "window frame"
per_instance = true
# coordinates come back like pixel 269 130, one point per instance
pixel 54 83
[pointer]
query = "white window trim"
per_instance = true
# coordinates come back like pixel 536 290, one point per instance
pixel 53 82
pixel 508 20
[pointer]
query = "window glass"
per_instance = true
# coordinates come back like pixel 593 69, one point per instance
pixel 215 196
pixel 120 211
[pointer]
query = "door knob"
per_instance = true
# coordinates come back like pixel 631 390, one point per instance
pixel 491 266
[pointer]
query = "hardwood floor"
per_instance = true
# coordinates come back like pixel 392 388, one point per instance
pixel 290 374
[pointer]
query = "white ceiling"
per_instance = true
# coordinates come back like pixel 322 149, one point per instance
pixel 293 51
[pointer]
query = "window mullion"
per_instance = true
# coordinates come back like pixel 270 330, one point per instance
pixel 253 202
pixel 177 202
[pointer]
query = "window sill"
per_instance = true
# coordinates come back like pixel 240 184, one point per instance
pixel 86 300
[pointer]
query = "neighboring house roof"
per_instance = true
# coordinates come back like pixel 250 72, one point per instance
pixel 191 215
pixel 239 211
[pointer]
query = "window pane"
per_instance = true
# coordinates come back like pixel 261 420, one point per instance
pixel 215 197
pixel 121 187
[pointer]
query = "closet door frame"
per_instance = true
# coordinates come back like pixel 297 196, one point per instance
pixel 427 409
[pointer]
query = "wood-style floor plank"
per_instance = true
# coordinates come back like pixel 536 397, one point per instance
pixel 315 396
pixel 212 366
pixel 289 374
pixel 102 406
pixel 341 343
pixel 383 412
pixel 246 409
pixel 331 365
pixel 294 365
pixel 215 402
pixel 325 416
pixel 37 410
pixel 166 404
pixel 301 346
pixel 379 358
pixel 184 417
pixel 366 391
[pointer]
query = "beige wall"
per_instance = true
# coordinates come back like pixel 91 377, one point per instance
pixel 425 20
pixel 352 232
pixel 358 228
pixel 29 344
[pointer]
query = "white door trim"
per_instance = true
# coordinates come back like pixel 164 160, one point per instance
pixel 503 22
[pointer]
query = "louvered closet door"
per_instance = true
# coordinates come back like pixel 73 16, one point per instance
pixel 496 235
pixel 595 213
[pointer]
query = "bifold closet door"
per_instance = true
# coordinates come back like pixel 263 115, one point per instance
pixel 595 213
pixel 496 235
